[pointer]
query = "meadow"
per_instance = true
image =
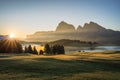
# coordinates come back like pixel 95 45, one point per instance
pixel 74 66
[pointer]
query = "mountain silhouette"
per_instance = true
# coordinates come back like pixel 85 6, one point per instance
pixel 79 28
pixel 65 27
pixel 89 32
pixel 93 27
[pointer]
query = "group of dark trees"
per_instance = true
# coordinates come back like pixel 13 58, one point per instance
pixel 68 42
pixel 10 46
pixel 30 50
pixel 50 50
pixel 33 50
pixel 13 46
pixel 55 49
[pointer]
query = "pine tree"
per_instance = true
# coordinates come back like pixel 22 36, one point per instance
pixel 53 49
pixel 19 48
pixel 63 50
pixel 41 52
pixel 58 49
pixel 47 49
pixel 26 49
pixel 30 49
pixel 35 50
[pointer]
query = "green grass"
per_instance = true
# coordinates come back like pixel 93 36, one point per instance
pixel 78 66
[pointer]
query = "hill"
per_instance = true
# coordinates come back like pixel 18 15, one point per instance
pixel 77 43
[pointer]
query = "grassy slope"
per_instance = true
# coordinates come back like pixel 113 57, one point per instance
pixel 72 43
pixel 77 66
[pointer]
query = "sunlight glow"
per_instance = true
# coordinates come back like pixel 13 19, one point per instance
pixel 12 35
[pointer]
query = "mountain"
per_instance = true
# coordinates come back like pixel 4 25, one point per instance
pixel 79 28
pixel 89 32
pixel 65 27
pixel 91 27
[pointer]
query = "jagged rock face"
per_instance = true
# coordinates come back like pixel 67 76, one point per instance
pixel 93 27
pixel 65 27
pixel 79 28
pixel 89 32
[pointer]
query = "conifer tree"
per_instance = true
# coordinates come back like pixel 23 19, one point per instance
pixel 25 49
pixel 63 50
pixel 41 52
pixel 30 49
pixel 35 50
pixel 47 49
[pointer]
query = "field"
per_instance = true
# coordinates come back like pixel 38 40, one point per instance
pixel 76 66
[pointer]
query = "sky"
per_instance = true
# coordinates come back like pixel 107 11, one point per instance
pixel 24 17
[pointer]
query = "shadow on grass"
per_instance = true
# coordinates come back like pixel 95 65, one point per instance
pixel 41 67
pixel 111 52
pixel 4 56
pixel 82 65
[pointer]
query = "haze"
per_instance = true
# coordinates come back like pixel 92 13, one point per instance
pixel 28 16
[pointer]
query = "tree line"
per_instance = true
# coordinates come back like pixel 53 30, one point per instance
pixel 48 50
pixel 14 46
pixel 10 46
pixel 54 49
pixel 30 50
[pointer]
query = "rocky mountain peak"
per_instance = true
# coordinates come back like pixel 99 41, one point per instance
pixel 93 26
pixel 65 27
pixel 79 27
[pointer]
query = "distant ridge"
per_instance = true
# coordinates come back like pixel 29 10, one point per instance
pixel 68 42
pixel 89 32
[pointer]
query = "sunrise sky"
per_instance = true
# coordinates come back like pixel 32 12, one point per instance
pixel 28 16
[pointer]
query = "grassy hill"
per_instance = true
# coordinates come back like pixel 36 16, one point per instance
pixel 76 43
pixel 76 66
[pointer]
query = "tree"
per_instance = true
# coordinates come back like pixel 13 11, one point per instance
pixel 26 49
pixel 41 52
pixel 62 49
pixel 30 49
pixel 58 49
pixel 19 47
pixel 47 49
pixel 35 50
pixel 53 49
pixel 90 43
pixel 10 46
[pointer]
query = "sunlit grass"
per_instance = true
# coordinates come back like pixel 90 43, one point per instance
pixel 76 66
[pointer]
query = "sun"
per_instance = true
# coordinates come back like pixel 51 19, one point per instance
pixel 12 35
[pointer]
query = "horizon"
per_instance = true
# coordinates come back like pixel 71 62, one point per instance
pixel 29 16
